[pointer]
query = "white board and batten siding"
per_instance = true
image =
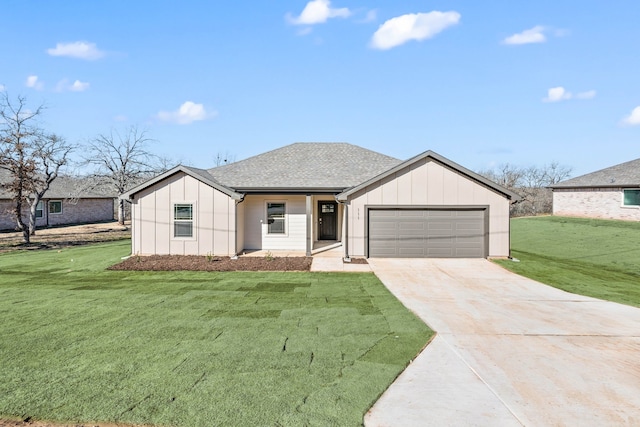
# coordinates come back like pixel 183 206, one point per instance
pixel 214 229
pixel 427 183
pixel 256 234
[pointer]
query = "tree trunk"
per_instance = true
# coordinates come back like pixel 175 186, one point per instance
pixel 21 225
pixel 32 215
pixel 121 213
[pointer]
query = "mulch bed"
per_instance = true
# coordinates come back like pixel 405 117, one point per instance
pixel 212 263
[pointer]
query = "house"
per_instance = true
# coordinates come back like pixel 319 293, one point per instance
pixel 305 194
pixel 610 193
pixel 64 203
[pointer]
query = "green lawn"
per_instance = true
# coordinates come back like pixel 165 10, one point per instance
pixel 598 258
pixel 79 343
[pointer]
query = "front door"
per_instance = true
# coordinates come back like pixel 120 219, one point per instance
pixel 327 220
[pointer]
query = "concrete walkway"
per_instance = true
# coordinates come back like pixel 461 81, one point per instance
pixel 509 351
pixel 329 259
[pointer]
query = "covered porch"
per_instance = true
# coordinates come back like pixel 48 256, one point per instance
pixel 290 223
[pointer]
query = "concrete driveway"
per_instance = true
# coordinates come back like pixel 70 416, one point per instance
pixel 509 351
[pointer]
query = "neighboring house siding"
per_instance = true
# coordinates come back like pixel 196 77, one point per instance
pixel 255 223
pixel 213 219
pixel 605 203
pixel 81 211
pixel 7 222
pixel 428 183
pixel 76 212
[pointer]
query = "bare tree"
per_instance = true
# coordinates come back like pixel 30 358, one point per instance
pixel 221 159
pixel 32 157
pixel 123 160
pixel 531 183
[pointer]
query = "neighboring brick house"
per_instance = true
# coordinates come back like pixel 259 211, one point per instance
pixel 65 203
pixel 610 193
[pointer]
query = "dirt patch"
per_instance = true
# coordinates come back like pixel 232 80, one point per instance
pixel 213 263
pixel 58 237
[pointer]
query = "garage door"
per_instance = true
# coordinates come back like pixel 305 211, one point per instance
pixel 427 233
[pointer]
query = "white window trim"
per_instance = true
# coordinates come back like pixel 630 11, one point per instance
pixel 286 219
pixel 194 219
pixel 622 201
pixel 49 208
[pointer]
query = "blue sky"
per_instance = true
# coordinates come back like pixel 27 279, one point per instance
pixel 481 83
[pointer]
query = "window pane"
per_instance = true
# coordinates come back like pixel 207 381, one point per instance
pixel 40 209
pixel 183 229
pixel 55 207
pixel 276 226
pixel 184 212
pixel 275 218
pixel 632 197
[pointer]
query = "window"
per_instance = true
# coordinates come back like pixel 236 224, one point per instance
pixel 328 207
pixel 55 206
pixel 40 209
pixel 275 217
pixel 631 198
pixel 183 220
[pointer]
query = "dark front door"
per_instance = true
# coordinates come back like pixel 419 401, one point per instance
pixel 327 220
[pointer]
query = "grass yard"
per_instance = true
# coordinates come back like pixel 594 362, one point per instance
pixel 597 258
pixel 80 344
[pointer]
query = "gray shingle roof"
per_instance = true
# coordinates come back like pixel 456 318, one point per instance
pixel 199 174
pixel 302 166
pixel 64 187
pixel 623 175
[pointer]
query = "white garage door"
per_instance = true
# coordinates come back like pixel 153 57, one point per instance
pixel 427 233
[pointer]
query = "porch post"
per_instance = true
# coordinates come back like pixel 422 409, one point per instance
pixel 345 235
pixel 309 224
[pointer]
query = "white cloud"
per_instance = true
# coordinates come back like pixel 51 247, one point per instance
pixel 371 16
pixel 532 35
pixel 33 82
pixel 414 26
pixel 188 112
pixel 590 94
pixel 77 86
pixel 632 119
pixel 559 93
pixel 80 49
pixel 556 94
pixel 2 88
pixel 318 12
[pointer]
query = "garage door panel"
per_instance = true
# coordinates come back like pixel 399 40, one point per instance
pixel 437 233
pixel 412 226
pixel 476 214
pixel 411 213
pixel 440 253
pixel 383 214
